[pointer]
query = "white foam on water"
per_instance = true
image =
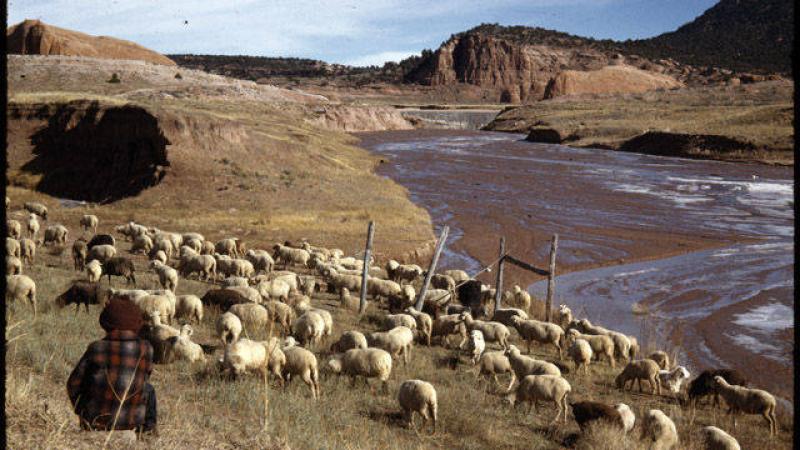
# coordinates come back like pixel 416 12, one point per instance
pixel 771 317
pixel 636 272
pixel 753 344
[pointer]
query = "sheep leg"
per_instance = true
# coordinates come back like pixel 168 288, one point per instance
pixel 529 346
pixel 768 418
pixel 513 378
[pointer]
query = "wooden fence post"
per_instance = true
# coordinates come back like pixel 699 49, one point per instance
pixel 498 294
pixel 362 304
pixel 551 278
pixel 431 268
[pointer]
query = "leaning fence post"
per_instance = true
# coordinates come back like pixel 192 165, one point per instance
pixel 431 268
pixel 551 279
pixel 362 304
pixel 498 294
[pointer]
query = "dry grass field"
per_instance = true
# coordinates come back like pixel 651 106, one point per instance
pixel 198 408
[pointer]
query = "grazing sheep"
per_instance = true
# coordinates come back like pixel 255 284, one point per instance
pixel 229 327
pixel 193 236
pixel 542 332
pixel 222 299
pixel 288 277
pixel 475 345
pixel 167 276
pixel 659 430
pixel 159 336
pixel 21 288
pixel 234 281
pixel 522 298
pixel 417 396
pixel 274 290
pixel 440 281
pixel 33 226
pixel 189 307
pixel 638 370
pixel 288 255
pixel 505 315
pixel 587 412
pixel 749 401
pixel 182 347
pixel 227 247
pixel 601 344
pixel 253 316
pixel 160 305
pixel 164 245
pixel 82 292
pixel 308 285
pixel 205 266
pixel 122 267
pixel 716 439
pixel 704 384
pixel 403 272
pixel 309 328
pixel 337 281
pixel 13 265
pixel 492 331
pixel 13 248
pixel 247 292
pixel 628 418
pixel 326 317
pixel 349 340
pixel 533 388
pixel 449 325
pixel 14 228
pixel 634 351
pixel 101 253
pixel 142 244
pixel 396 320
pixel 263 356
pixel 621 343
pixel 94 270
pixel 261 259
pixel 673 380
pixel 36 208
pixel 661 358
pixel 459 276
pixel 424 323
pixel 367 363
pixel 27 249
pixel 282 314
pixel 55 234
pixel 378 288
pixel 564 315
pixel 525 365
pixel 159 256
pixel 581 353
pixel 396 341
pixel 102 239
pixel 194 245
pixel 79 254
pixel 494 363
pixel 90 221
pixel 303 363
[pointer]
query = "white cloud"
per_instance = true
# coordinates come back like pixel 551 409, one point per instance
pixel 377 59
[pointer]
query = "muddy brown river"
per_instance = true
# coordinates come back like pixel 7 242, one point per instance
pixel 706 247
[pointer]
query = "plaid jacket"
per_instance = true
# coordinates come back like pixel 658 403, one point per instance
pixel 121 361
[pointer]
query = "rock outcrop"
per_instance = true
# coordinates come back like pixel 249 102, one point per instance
pixel 353 118
pixel 33 37
pixel 608 80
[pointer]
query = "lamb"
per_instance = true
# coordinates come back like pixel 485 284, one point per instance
pixel 167 276
pixel 274 290
pixel 542 332
pixel 142 244
pixel 716 439
pixel 327 318
pixel 227 247
pixel 229 327
pixel 33 226
pixel 14 228
pixel 162 244
pixel 90 221
pixel 475 345
pixel 208 248
pixel 672 380
pixel 193 244
pixel 183 348
pixel 205 266
pixel 122 267
pixel 156 304
pixel 101 253
pixel 79 254
pixel 234 281
pixel 749 401
pixel 581 353
pixel 587 412
pixel 287 277
pixel 459 276
pixel 396 320
pixel 638 370
pixel 449 325
pixel 13 265
pixel 366 363
pixel 94 270
pixel 396 341
pixel 660 357
pixel 189 307
pixel 533 388
pixel 628 418
pixel 601 344
pixel 247 355
pixel 505 315
pixel 55 234
pixel 36 208
pixel 82 292
pixel 704 384
pixel 309 328
pixel 659 430
pixel 564 315
pixel 253 316
pixel 349 340
pixel 493 363
pixel 282 314
pixel 222 299
pixel 288 255
pixel 525 365
pixel 21 288
pixel 13 248
pixel 417 396
pixel 303 363
pixel 492 331
pixel 424 323
pixel 522 298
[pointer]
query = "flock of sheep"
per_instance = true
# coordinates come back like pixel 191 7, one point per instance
pixel 250 293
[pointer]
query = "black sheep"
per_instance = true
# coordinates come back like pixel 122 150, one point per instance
pixel 83 292
pixel 120 266
pixel 587 412
pixel 222 299
pixel 101 239
pixel 704 384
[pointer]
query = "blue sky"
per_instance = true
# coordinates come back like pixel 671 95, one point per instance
pixel 356 32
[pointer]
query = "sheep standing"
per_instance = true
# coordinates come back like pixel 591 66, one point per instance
pixel 142 244
pixel 121 267
pixel 638 370
pixel 396 341
pixel 587 412
pixel 261 259
pixel 167 276
pixel 525 365
pixel 33 226
pixel 449 325
pixel 189 307
pixel 424 323
pixel 14 228
pixel 21 288
pixel 79 254
pixel 366 363
pixel 621 343
pixel 564 315
pixel 253 316
pixel 159 305
pixel 229 327
pixel 82 292
pixel 494 363
pixel 661 358
pixel 27 250
pixel 628 418
pixel 94 270
pixel 581 353
pixel 183 348
pixel 397 320
pixel 303 363
pixel 659 430
pixel 90 221
pixel 704 384
pixel 417 396
pixel 716 439
pixel 159 336
pixel 288 255
pixel 309 328
pixel 542 332
pixel 506 315
pixel 13 248
pixel 263 356
pixel 749 401
pixel 36 208
pixel 275 290
pixel 282 314
pixel 475 345
pixel 673 380
pixel 533 388
pixel 522 299
pixel 13 265
pixel 349 340
pixel 101 253
pixel 601 344
pixel 492 331
pixel 55 234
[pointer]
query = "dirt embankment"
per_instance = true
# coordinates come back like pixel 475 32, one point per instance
pixel 354 118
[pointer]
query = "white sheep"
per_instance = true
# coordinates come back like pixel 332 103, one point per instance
pixel 525 365
pixel 288 255
pixel 167 276
pixel 234 281
pixel 303 363
pixel 281 314
pixel 403 272
pixel 494 363
pixel 159 335
pixel 189 307
pixel 475 345
pixel 533 388
pixel 79 252
pixel 227 247
pixel 247 292
pixel 33 226
pixel 21 288
pixel 459 276
pixel 342 281
pixel 659 430
pixel 27 250
pixel 349 340
pixel 327 318
pixel 13 248
pixel 716 439
pixel 581 353
pixel 542 332
pixel 13 265
pixel 449 325
pixel 287 276
pixel 36 208
pixel 14 228
pixel 424 323
pixel 182 347
pixel 205 266
pixel 157 303
pixel 396 320
pixel 522 298
pixel 396 341
pixel 621 343
pixel 102 253
pixel 347 301
pixel 253 316
pixel 564 315
pixel 417 396
pixel 309 328
pixel 366 363
pixel 142 244
pixel 378 288
pixel 159 256
pixel 274 290
pixel 506 315
pixel 746 400
pixel 492 331
pixel 601 344
pixel 261 259
pixel 229 327
pixel 94 270
pixel 673 380
pixel 628 418
pixel 56 234
pixel 263 356
pixel 90 221
pixel 638 370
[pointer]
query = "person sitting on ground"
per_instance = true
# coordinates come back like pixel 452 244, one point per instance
pixel 109 387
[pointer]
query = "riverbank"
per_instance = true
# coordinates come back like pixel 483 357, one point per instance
pixel 755 121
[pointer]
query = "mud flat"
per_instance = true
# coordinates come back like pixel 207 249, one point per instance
pixel 705 247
